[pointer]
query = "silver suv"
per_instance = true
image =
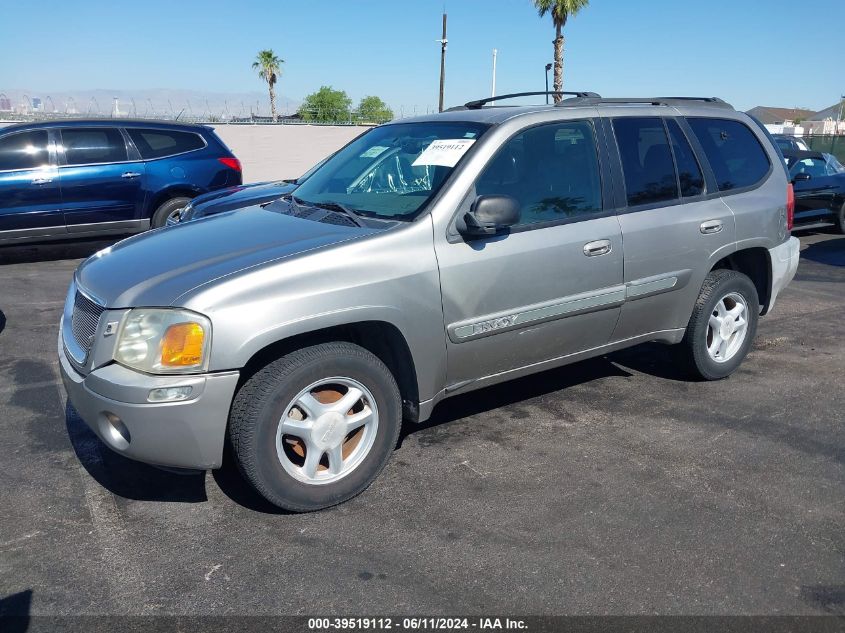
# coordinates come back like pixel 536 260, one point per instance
pixel 429 257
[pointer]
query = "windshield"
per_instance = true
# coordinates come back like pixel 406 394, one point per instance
pixel 391 171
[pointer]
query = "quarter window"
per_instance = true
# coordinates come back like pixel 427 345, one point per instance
pixel 552 170
pixel 646 160
pixel 733 151
pixel 26 150
pixel 87 146
pixel 160 143
pixel 689 173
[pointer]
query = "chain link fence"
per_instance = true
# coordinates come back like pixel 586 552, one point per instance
pixel 828 144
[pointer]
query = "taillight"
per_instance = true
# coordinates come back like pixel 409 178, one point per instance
pixel 790 206
pixel 234 163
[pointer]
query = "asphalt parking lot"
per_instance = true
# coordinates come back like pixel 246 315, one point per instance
pixel 614 486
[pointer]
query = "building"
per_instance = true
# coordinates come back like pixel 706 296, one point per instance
pixel 798 121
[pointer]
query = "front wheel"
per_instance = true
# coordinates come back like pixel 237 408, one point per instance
pixel 722 326
pixel 839 221
pixel 315 427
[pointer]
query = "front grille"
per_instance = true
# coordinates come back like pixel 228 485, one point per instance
pixel 86 317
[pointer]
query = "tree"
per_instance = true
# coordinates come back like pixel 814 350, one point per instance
pixel 373 110
pixel 560 10
pixel 326 105
pixel 269 68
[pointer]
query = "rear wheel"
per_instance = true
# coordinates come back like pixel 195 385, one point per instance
pixel 169 209
pixel 839 221
pixel 315 427
pixel 722 326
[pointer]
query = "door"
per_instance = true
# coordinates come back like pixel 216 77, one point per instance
pixel 30 203
pixel 671 227
pixel 816 183
pixel 99 182
pixel 550 286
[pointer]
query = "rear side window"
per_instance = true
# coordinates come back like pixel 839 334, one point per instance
pixel 646 160
pixel 689 173
pixel 552 170
pixel 87 146
pixel 735 155
pixel 160 143
pixel 27 150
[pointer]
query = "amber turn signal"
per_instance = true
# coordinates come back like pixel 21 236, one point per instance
pixel 182 345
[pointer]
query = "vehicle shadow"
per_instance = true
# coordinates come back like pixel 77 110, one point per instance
pixel 829 252
pixel 15 611
pixel 127 478
pixel 54 251
pixel 652 358
pixel 2 321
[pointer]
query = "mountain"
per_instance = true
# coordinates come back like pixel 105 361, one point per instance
pixel 156 102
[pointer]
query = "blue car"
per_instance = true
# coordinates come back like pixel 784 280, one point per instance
pixel 239 197
pixel 232 198
pixel 81 178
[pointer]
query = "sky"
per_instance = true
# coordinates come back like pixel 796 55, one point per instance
pixel 748 52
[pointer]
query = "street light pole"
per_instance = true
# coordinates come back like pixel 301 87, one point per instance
pixel 443 41
pixel 548 68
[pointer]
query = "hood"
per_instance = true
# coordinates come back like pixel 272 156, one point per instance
pixel 155 268
pixel 236 198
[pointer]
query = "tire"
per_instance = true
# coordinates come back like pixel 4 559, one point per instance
pixel 164 211
pixel 277 463
pixel 721 294
pixel 839 220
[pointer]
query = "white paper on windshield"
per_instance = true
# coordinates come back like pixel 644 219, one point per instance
pixel 374 151
pixel 446 152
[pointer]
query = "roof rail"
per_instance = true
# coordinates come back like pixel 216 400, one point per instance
pixel 664 101
pixel 478 103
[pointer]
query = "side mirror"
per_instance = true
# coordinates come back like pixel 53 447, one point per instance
pixel 489 215
pixel 802 177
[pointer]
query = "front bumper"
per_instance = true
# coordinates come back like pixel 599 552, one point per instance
pixel 186 434
pixel 784 258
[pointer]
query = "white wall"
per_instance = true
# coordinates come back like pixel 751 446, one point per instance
pixel 273 152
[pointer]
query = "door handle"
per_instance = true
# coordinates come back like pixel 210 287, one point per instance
pixel 599 247
pixel 130 174
pixel 711 226
pixel 41 181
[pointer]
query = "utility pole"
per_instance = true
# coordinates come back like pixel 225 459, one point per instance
pixel 493 89
pixel 443 41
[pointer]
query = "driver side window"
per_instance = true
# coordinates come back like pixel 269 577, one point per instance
pixel 551 170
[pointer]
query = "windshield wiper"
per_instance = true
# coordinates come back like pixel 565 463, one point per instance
pixel 332 206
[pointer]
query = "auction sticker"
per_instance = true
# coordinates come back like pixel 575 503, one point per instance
pixel 446 152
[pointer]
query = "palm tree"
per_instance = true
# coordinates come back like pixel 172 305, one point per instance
pixel 269 67
pixel 561 10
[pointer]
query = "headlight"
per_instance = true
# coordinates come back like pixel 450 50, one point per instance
pixel 164 341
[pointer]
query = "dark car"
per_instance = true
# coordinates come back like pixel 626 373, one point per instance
pixel 232 198
pixel 68 179
pixel 819 183
pixel 238 197
pixel 788 143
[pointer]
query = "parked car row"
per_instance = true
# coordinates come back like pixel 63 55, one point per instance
pixel 429 257
pixel 819 181
pixel 70 179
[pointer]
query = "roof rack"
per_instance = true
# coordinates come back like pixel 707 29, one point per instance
pixel 479 103
pixel 664 101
